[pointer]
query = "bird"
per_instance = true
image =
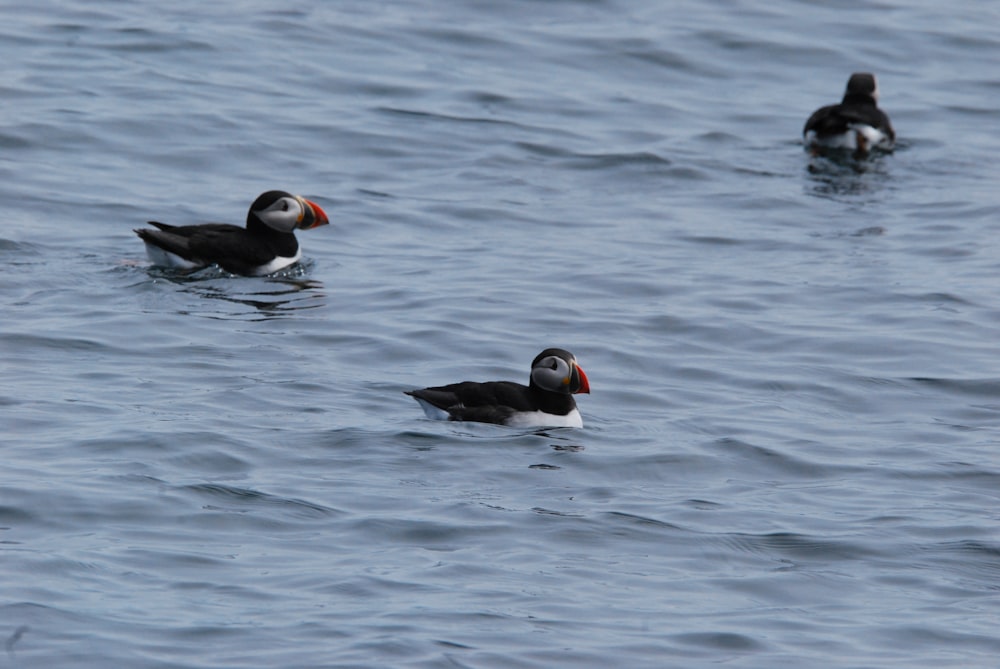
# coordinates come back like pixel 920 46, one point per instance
pixel 856 124
pixel 267 243
pixel 547 400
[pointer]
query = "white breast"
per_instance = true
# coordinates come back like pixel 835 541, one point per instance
pixel 542 419
pixel 278 263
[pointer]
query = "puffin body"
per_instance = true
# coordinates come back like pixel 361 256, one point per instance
pixel 547 401
pixel 266 245
pixel 856 124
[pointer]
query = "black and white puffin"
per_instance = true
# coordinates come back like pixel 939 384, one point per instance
pixel 266 245
pixel 856 124
pixel 547 400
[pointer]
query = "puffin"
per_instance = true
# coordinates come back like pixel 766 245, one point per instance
pixel 547 400
pixel 267 243
pixel 856 124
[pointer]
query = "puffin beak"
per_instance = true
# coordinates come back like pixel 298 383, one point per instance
pixel 314 216
pixel 584 384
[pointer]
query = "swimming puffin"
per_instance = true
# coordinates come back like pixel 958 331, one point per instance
pixel 266 245
pixel 547 400
pixel 856 124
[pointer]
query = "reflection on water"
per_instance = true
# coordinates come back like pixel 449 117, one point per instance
pixel 270 297
pixel 842 175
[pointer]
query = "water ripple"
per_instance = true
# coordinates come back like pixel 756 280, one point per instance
pixel 788 456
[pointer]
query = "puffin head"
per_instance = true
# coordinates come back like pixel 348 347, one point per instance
pixel 862 85
pixel 286 212
pixel 557 371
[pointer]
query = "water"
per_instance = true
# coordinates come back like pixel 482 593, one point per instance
pixel 789 456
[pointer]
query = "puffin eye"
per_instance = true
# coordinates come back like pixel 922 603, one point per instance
pixel 554 365
pixel 284 205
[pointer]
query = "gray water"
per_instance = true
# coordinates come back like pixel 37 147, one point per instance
pixel 789 456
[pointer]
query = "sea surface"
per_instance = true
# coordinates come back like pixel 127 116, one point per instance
pixel 791 453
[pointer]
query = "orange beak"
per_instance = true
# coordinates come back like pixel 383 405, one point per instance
pixel 314 216
pixel 584 384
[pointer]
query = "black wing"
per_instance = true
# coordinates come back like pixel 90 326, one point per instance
pixel 825 121
pixel 836 119
pixel 493 402
pixel 229 246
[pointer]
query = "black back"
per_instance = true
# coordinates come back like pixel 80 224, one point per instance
pixel 494 401
pixel 235 249
pixel 858 106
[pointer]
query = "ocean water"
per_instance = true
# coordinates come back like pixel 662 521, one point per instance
pixel 790 452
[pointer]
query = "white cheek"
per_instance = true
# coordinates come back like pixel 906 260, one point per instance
pixel 280 218
pixel 551 379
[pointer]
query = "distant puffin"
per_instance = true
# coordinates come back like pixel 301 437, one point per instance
pixel 266 245
pixel 547 401
pixel 856 124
